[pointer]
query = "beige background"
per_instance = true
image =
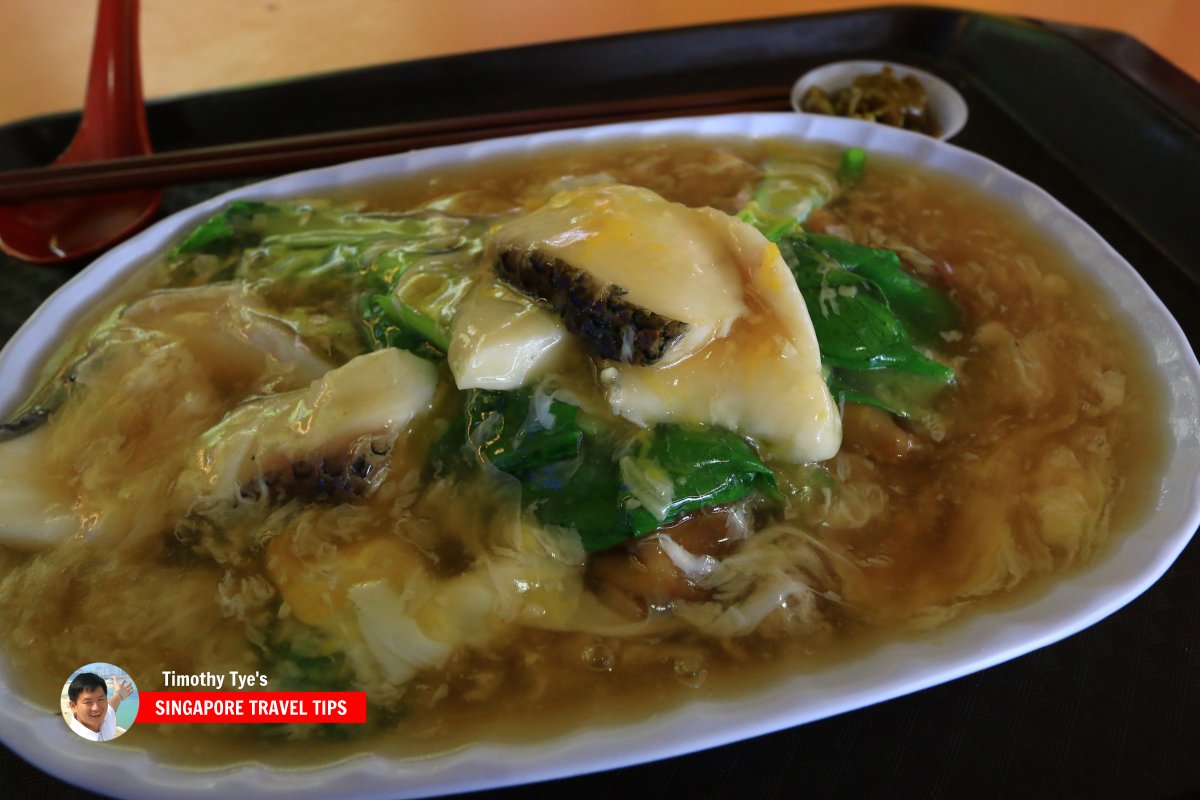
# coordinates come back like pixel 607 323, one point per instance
pixel 191 45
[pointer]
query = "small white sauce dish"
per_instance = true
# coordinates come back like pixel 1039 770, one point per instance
pixel 947 105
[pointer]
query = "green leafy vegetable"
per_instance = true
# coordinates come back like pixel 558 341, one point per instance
pixel 387 322
pixel 506 430
pixel 408 270
pixel 606 487
pixel 855 325
pixel 232 229
pixel 901 393
pixel 773 226
pixel 565 464
pixel 806 485
pixel 611 494
pixel 926 311
pixel 295 672
pixel 794 188
pixel 862 340
pixel 854 159
pixel 583 495
pixel 677 469
pixel 867 310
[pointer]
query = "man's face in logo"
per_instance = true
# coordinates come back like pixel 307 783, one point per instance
pixel 90 707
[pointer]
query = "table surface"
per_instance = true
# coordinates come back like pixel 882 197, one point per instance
pixel 190 46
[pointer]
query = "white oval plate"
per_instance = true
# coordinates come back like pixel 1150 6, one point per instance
pixel 985 639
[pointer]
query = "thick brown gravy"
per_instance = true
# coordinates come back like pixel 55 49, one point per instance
pixel 1029 463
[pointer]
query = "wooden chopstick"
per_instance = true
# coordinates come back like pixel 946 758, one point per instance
pixel 274 156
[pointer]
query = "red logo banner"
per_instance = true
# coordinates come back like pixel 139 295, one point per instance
pixel 251 707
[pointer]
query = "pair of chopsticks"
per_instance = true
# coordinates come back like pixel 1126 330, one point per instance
pixel 275 156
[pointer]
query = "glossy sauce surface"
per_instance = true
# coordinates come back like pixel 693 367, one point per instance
pixel 1017 476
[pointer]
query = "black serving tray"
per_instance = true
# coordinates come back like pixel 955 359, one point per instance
pixel 1101 122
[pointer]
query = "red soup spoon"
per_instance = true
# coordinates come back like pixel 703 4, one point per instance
pixel 113 126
